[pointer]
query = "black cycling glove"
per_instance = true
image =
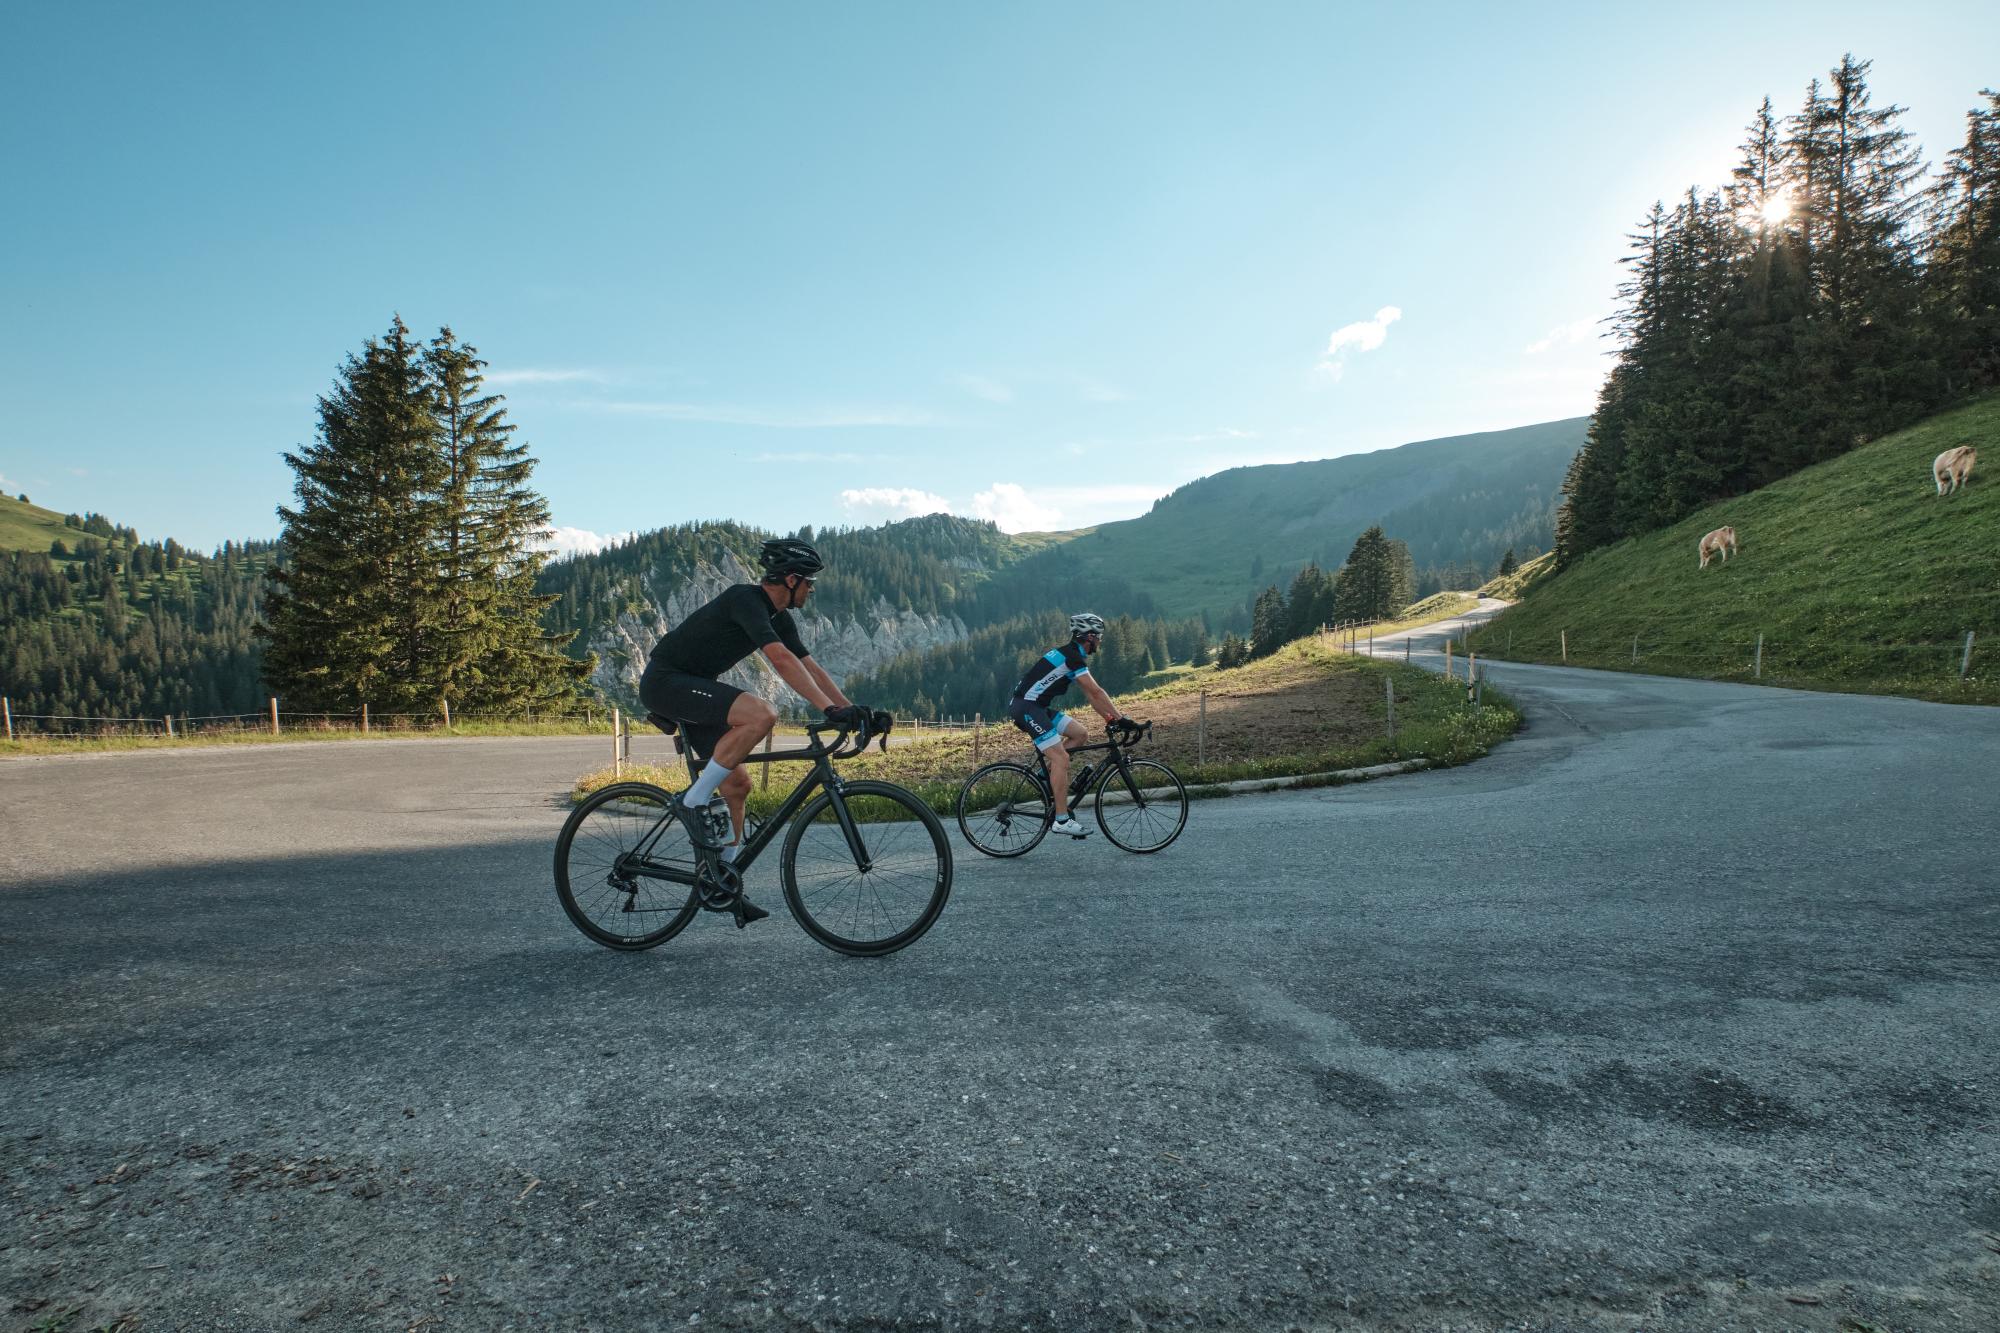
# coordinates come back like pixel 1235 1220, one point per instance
pixel 847 715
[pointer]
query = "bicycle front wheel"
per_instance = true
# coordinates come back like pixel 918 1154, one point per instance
pixel 888 897
pixel 1003 809
pixel 611 861
pixel 1142 806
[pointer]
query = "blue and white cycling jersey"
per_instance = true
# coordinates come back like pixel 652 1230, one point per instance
pixel 1049 675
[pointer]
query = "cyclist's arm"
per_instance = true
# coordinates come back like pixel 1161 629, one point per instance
pixel 1098 698
pixel 792 670
pixel 824 681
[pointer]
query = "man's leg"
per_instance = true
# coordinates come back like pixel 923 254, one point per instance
pixel 1056 756
pixel 750 721
pixel 735 790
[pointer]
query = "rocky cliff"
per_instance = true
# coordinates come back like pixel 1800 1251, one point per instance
pixel 844 646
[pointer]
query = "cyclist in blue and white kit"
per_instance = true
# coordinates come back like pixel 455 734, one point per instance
pixel 1054 733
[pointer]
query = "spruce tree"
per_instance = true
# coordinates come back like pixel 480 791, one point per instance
pixel 350 618
pixel 1268 624
pixel 1962 277
pixel 493 654
pixel 409 579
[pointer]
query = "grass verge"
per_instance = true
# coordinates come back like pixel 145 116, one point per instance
pixel 1308 708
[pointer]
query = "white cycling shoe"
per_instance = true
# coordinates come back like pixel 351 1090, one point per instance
pixel 1069 826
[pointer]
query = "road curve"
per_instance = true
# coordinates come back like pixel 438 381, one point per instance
pixel 1679 1012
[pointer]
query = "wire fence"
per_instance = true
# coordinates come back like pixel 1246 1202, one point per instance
pixel 277 721
pixel 1743 656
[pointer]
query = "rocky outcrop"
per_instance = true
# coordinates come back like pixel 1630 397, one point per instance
pixel 845 646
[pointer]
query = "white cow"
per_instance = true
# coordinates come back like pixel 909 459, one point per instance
pixel 1950 468
pixel 1721 542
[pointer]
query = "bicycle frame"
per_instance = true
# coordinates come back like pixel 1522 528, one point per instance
pixel 1118 754
pixel 822 775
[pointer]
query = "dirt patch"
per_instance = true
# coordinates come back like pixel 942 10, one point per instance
pixel 1292 706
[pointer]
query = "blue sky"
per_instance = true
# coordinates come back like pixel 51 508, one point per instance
pixel 798 263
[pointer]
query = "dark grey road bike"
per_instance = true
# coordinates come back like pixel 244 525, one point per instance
pixel 866 865
pixel 1005 809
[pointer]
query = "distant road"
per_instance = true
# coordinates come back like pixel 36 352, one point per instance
pixel 1678 1011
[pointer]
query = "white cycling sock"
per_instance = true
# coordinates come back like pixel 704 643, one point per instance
pixel 704 786
pixel 729 852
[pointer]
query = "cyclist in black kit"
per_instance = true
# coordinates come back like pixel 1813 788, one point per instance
pixel 721 723
pixel 1054 733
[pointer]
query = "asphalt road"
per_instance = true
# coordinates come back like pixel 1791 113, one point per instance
pixel 1679 1012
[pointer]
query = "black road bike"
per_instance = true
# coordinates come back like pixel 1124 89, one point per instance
pixel 866 865
pixel 1005 809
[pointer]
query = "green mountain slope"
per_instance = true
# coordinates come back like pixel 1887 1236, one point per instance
pixel 108 626
pixel 28 527
pixel 1857 574
pixel 1213 544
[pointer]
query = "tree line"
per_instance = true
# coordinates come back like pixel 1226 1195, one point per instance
pixel 1833 291
pixel 96 628
pixel 412 547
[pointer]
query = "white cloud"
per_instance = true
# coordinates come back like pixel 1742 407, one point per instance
pixel 1361 336
pixel 776 418
pixel 895 501
pixel 10 487
pixel 502 378
pixel 1009 507
pixel 1576 331
pixel 580 541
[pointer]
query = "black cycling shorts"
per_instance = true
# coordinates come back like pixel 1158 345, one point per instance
pixel 699 704
pixel 1042 723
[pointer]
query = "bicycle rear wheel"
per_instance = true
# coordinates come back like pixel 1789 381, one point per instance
pixel 896 898
pixel 607 856
pixel 1003 809
pixel 1153 808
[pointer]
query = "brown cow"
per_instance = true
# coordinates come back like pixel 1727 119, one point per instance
pixel 1721 542
pixel 1950 468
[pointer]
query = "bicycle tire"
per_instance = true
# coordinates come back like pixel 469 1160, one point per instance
pixel 978 826
pixel 1168 806
pixel 915 865
pixel 613 822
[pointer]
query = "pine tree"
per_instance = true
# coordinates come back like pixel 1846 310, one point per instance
pixel 1963 238
pixel 1508 564
pixel 1268 624
pixel 493 654
pixel 1365 587
pixel 352 617
pixel 410 578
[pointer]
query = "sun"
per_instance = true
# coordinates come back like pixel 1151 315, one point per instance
pixel 1777 208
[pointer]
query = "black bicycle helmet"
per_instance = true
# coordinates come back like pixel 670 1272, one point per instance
pixel 789 555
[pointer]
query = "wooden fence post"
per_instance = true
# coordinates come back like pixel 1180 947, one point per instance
pixel 617 756
pixel 7 712
pixel 1635 648
pixel 447 713
pixel 168 722
pixel 274 715
pixel 1406 644
pixel 364 719
pixel 1965 662
pixel 1759 667
pixel 978 724
pixel 1449 674
pixel 1390 684
pixel 1565 644
pixel 1201 731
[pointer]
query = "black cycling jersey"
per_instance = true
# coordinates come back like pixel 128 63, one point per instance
pixel 1050 674
pixel 717 636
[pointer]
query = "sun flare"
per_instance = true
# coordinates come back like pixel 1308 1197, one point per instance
pixel 1777 208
